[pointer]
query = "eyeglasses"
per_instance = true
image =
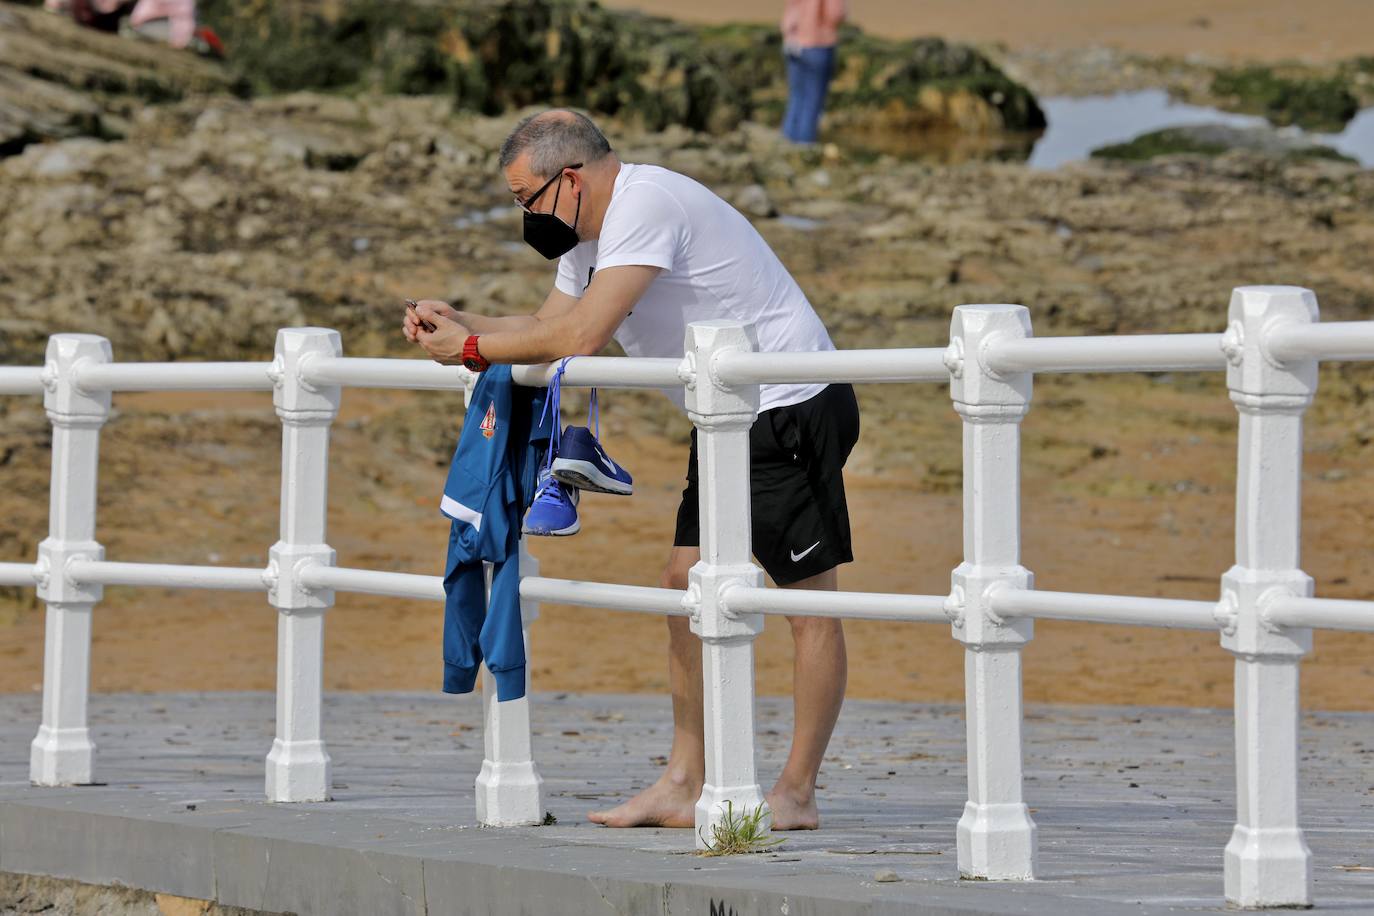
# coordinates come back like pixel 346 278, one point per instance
pixel 529 201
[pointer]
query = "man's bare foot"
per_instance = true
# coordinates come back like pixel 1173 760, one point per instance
pixel 670 802
pixel 793 812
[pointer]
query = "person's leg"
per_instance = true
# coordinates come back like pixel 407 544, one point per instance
pixel 809 87
pixel 802 536
pixel 671 802
pixel 819 672
pixel 791 128
pixel 825 70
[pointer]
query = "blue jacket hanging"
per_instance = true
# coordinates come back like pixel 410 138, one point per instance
pixel 491 482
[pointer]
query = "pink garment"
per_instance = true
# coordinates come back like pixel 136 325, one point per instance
pixel 812 23
pixel 180 16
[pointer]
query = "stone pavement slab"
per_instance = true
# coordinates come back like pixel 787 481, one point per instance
pixel 1134 806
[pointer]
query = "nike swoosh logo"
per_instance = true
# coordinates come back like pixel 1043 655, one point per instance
pixel 798 557
pixel 609 462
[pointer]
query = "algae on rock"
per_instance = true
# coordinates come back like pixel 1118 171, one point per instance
pixel 490 55
pixel 499 55
pixel 1215 139
pixel 1314 103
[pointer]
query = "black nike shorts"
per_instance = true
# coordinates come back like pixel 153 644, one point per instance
pixel 798 510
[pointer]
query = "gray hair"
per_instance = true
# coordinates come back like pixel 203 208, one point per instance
pixel 555 139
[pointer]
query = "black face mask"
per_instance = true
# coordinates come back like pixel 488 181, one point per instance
pixel 546 233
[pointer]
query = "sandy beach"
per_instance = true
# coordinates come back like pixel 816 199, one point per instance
pixel 1258 30
pixel 1129 481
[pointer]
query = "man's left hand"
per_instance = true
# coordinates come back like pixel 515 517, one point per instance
pixel 445 343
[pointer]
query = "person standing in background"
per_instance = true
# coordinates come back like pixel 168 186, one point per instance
pixel 810 31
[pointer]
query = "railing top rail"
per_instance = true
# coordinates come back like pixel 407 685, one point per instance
pixel 21 379
pixel 919 364
pixel 22 574
pixel 1125 353
pixel 588 371
pixel 363 372
pixel 608 371
pixel 1332 340
pixel 187 376
pixel 1341 340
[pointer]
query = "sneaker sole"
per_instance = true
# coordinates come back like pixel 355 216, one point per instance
pixel 585 476
pixel 575 527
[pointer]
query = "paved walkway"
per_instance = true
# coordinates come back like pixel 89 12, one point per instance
pixel 1134 806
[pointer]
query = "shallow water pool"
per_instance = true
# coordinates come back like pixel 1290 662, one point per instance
pixel 1077 126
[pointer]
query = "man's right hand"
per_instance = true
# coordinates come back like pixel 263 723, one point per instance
pixel 411 326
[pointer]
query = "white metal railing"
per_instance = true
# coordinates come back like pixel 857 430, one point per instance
pixel 1269 352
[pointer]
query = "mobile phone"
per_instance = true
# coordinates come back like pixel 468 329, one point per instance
pixel 427 325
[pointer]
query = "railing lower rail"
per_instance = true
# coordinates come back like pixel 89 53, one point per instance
pixel 165 575
pixel 1145 612
pixel 1328 613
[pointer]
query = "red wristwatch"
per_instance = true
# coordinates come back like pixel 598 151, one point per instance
pixel 472 360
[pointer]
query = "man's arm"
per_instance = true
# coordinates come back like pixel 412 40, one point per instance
pixel 576 327
pixel 556 303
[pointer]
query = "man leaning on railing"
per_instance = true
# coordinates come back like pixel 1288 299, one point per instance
pixel 642 252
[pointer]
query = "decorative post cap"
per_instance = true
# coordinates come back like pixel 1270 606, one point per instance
pixel 1255 312
pixel 708 402
pixel 62 399
pixel 971 330
pixel 292 394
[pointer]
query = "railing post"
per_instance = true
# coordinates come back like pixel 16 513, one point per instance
pixel 723 417
pixel 298 765
pixel 1267 860
pixel 62 753
pixel 996 833
pixel 509 788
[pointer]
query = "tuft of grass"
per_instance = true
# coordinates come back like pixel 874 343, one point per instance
pixel 741 833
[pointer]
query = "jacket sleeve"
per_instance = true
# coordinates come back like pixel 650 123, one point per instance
pixel 502 638
pixel 465 610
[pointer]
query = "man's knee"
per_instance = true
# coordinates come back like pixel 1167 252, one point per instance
pixel 673 577
pixel 680 563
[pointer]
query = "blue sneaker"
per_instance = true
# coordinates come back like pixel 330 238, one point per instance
pixel 583 464
pixel 554 510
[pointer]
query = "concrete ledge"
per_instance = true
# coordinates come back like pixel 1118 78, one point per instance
pixel 1134 807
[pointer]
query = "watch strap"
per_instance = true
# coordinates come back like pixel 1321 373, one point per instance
pixel 472 358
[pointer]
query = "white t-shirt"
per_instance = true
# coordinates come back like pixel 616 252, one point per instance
pixel 715 265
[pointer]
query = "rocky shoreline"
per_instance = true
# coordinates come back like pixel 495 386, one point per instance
pixel 217 219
